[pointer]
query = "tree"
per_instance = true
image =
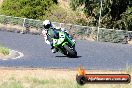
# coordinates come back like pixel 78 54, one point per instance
pixel 127 19
pixel 114 13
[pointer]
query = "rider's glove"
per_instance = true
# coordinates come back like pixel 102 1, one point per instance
pixel 63 30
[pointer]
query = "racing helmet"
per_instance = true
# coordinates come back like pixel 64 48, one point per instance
pixel 47 24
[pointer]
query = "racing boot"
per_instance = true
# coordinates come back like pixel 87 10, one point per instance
pixel 54 50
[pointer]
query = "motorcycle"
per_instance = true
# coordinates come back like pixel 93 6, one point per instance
pixel 65 44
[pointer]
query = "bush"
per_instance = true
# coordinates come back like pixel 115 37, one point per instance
pixel 4 50
pixel 34 9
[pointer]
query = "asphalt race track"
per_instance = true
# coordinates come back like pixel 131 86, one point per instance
pixel 91 55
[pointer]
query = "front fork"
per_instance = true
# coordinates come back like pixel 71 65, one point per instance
pixel 71 46
pixel 71 41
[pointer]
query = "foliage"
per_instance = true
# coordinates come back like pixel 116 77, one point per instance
pixel 4 50
pixel 38 9
pixel 34 9
pixel 59 14
pixel 115 13
pixel 127 19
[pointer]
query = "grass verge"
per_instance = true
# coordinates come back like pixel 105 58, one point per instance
pixel 50 78
pixel 4 50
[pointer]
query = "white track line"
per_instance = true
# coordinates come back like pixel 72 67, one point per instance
pixel 4 59
pixel 20 55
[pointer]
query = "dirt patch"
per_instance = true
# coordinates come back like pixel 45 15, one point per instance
pixel 19 29
pixel 2 55
pixel 1 2
pixel 64 4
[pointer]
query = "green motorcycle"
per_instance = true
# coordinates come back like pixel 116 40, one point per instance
pixel 65 45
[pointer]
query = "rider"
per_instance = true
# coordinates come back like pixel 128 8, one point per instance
pixel 51 32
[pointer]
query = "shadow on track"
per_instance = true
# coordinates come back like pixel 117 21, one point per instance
pixel 69 57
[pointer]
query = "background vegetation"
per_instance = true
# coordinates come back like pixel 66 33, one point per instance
pixel 34 9
pixel 38 9
pixel 115 13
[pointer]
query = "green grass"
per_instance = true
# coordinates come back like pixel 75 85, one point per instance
pixel 33 81
pixel 51 83
pixel 37 81
pixel 72 84
pixel 4 50
pixel 54 83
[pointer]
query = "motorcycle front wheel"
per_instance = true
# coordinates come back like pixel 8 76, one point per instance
pixel 70 52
